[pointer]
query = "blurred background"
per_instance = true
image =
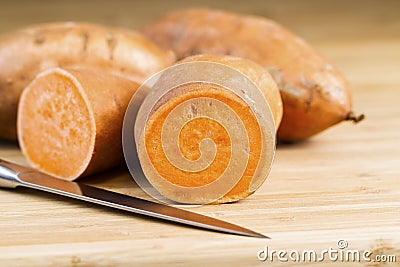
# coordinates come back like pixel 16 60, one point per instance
pixel 315 20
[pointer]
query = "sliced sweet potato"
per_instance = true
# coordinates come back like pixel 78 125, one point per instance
pixel 70 121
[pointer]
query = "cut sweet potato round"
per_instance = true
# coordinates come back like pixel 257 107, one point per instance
pixel 206 131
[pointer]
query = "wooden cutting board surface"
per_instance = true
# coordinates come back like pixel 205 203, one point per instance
pixel 343 184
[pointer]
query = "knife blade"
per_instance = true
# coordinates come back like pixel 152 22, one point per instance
pixel 13 175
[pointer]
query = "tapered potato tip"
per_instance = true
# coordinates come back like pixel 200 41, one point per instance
pixel 355 118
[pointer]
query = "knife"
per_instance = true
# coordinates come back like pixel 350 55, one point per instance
pixel 13 175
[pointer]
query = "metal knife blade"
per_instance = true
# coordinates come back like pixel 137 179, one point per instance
pixel 13 175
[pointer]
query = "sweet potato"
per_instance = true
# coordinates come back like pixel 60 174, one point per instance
pixel 209 133
pixel 25 53
pixel 315 94
pixel 70 121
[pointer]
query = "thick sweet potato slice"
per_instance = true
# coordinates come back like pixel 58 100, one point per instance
pixel 211 137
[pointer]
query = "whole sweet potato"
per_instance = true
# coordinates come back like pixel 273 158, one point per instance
pixel 315 94
pixel 25 53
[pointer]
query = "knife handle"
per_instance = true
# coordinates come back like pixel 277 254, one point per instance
pixel 9 174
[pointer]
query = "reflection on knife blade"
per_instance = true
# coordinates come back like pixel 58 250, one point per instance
pixel 13 175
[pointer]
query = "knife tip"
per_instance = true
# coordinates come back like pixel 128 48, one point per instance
pixel 251 233
pixel 260 235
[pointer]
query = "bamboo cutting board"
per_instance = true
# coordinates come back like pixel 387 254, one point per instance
pixel 343 184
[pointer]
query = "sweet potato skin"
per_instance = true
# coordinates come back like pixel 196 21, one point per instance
pixel 25 53
pixel 315 94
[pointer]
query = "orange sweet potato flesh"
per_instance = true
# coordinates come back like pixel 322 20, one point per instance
pixel 25 53
pixel 315 94
pixel 70 121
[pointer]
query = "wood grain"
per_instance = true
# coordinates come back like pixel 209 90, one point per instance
pixel 342 184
